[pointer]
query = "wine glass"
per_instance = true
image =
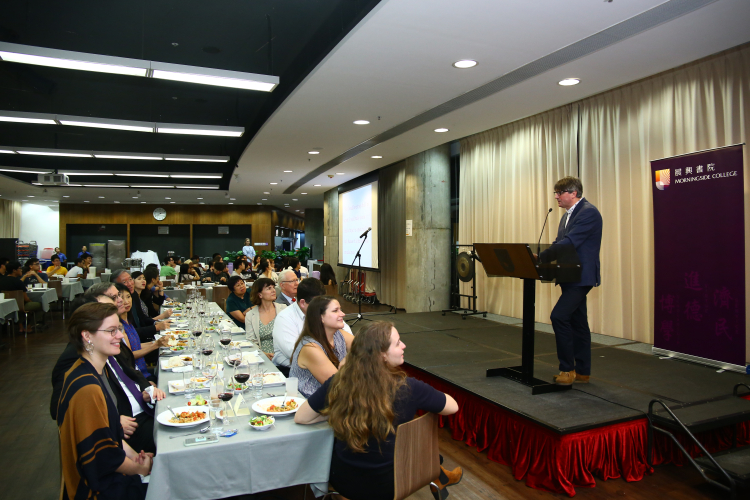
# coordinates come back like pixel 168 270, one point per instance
pixel 226 395
pixel 234 356
pixel 242 375
pixel 225 339
pixel 215 403
pixel 207 346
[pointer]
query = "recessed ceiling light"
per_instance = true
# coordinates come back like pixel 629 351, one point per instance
pixel 143 202
pixel 202 202
pixel 340 173
pixel 66 196
pixel 30 196
pixel 274 183
pixel 199 198
pixel 295 199
pixel 464 64
pixel 260 203
pixel 303 193
pixel 264 199
pixel 135 197
pixel 167 198
pixel 569 81
pixel 232 199
pixel 117 202
pixel 361 122
pixel 86 201
pixel 316 185
pixel 101 197
pixel 441 130
pixel 230 203
pixel 287 171
pixel 172 202
pixel 266 192
pixel 313 152
pixel 296 210
pixel 376 157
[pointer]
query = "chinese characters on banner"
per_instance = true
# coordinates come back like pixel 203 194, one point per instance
pixel 699 249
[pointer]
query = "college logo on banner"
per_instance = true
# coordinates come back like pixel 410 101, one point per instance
pixel 662 179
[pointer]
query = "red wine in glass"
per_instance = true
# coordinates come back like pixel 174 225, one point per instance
pixel 207 352
pixel 197 333
pixel 242 377
pixel 225 341
pixel 226 396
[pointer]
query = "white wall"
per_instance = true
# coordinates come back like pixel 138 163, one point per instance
pixel 40 223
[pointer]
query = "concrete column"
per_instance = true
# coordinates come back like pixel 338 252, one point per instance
pixel 314 231
pixel 427 187
pixel 331 231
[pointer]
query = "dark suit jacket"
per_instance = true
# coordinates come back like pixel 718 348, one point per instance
pixel 151 302
pixel 584 232
pixel 282 300
pixel 69 356
pixel 144 325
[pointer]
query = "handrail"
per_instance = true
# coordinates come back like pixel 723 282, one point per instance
pixel 732 486
pixel 736 388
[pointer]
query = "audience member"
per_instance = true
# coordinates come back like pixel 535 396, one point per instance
pixel 248 250
pixel 3 261
pixel 144 325
pixel 56 268
pixel 238 302
pixel 60 254
pixel 217 257
pixel 327 276
pixel 256 262
pixel 265 270
pixel 169 269
pixel 294 265
pixel 322 345
pixel 152 295
pixel 77 270
pixel 188 271
pixel 32 272
pixel 83 251
pixel 12 281
pixel 289 323
pixel 96 462
pixel 197 264
pixel 288 282
pixel 218 275
pixel 259 321
pixel 364 403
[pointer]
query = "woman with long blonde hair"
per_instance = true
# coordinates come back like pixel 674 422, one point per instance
pixel 364 403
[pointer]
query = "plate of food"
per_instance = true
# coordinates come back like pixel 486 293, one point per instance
pixel 198 401
pixel 237 386
pixel 262 422
pixel 172 362
pixel 177 387
pixel 186 417
pixel 279 405
pixel 273 378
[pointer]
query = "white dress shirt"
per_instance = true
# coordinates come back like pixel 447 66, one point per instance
pixel 134 405
pixel 286 330
pixel 570 212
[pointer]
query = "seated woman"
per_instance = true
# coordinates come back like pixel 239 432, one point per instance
pixel 56 268
pixel 132 340
pixel 96 462
pixel 327 276
pixel 294 265
pixel 151 299
pixel 259 321
pixel 238 302
pixel 256 262
pixel 364 403
pixel 265 270
pixel 321 346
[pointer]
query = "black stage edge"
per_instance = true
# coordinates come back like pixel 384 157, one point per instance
pixel 623 382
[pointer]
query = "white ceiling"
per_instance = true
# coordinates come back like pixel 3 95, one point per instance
pixel 397 63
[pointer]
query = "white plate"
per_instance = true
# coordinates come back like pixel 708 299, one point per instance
pixel 260 406
pixel 177 387
pixel 164 361
pixel 273 379
pixel 252 358
pixel 163 417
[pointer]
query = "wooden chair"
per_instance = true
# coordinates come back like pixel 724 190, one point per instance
pixel 57 285
pixel 220 295
pixel 18 295
pixel 416 456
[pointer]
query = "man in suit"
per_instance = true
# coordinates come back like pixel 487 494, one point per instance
pixel 288 282
pixel 581 227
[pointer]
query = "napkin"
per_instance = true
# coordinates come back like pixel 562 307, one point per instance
pixel 240 411
pixel 181 369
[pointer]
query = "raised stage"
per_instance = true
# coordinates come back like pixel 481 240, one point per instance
pixel 561 441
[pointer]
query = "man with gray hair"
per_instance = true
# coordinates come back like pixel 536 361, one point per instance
pixel 288 283
pixel 145 326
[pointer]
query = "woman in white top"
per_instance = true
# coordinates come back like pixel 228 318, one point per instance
pixel 259 321
pixel 265 270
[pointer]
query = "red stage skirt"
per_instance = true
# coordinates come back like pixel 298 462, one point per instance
pixel 551 462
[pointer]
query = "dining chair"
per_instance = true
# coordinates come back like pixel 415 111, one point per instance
pixel 18 295
pixel 220 295
pixel 57 285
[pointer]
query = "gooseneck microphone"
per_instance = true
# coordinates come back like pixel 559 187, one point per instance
pixel 370 229
pixel 539 243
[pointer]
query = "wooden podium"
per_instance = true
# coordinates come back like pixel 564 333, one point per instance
pixel 516 260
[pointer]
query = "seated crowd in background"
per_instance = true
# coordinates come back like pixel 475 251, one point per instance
pixel 12 280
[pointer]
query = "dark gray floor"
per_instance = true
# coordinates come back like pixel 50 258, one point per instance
pixel 623 382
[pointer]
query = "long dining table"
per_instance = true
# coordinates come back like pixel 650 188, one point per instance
pixel 249 462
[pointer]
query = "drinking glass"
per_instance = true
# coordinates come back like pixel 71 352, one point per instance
pixel 217 387
pixel 227 396
pixel 257 378
pixel 207 346
pixel 225 339
pixel 209 369
pixel 187 383
pixel 242 374
pixel 234 356
pixel 292 386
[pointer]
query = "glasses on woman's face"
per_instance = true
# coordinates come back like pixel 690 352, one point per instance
pixel 113 331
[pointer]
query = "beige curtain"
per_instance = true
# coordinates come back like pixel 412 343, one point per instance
pixel 10 219
pixel 699 106
pixel 506 181
pixel 507 176
pixel 392 255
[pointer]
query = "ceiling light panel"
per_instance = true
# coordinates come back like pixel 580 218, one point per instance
pixel 196 176
pixel 83 121
pixel 24 170
pixel 212 159
pixel 174 128
pixel 143 174
pixel 216 77
pixel 54 58
pixel 196 187
pixel 22 117
pixel 54 152
pixel 126 156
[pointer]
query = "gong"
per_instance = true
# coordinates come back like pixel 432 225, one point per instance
pixel 465 266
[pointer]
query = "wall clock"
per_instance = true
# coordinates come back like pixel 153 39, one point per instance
pixel 160 214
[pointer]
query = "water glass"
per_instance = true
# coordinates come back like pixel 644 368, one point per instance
pixel 257 379
pixel 291 387
pixel 187 382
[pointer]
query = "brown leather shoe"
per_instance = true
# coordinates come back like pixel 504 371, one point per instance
pixel 582 379
pixel 565 378
pixel 453 477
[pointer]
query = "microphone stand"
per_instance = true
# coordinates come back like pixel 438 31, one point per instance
pixel 358 258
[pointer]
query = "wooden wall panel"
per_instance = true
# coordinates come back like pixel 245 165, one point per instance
pixel 263 219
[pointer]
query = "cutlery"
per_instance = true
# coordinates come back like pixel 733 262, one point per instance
pixel 172 411
pixel 200 431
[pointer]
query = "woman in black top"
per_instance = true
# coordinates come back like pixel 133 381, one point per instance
pixel 327 276
pixel 364 402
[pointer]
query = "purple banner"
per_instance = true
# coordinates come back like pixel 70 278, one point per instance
pixel 699 249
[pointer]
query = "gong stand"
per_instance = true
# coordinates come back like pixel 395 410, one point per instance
pixel 466 271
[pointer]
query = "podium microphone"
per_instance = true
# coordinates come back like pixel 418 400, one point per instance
pixel 539 243
pixel 370 229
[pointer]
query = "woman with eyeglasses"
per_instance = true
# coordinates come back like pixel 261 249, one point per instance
pixel 133 341
pixel 238 303
pixel 260 320
pixel 96 461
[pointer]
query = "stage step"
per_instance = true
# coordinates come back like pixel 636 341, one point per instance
pixel 706 415
pixel 736 463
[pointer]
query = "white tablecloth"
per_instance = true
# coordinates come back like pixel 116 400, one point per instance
pixel 105 277
pixel 44 297
pixel 181 295
pixel 88 282
pixel 70 290
pixel 8 310
pixel 250 462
